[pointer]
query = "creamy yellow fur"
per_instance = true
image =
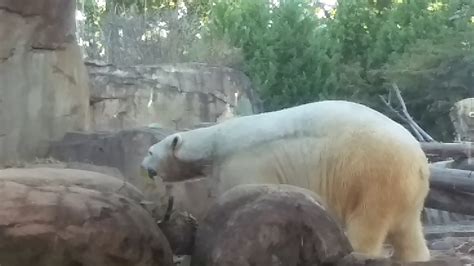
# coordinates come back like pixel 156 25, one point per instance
pixel 376 192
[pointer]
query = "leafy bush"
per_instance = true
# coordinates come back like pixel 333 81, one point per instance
pixel 285 48
pixel 293 57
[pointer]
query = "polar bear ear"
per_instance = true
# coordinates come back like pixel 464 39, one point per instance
pixel 176 142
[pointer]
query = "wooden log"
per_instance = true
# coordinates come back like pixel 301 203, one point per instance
pixel 447 150
pixel 452 179
pixel 269 225
pixel 446 200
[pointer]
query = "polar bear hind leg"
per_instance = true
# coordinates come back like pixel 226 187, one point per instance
pixel 367 231
pixel 408 240
pixel 377 218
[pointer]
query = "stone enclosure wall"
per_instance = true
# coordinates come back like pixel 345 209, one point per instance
pixel 174 96
pixel 47 90
pixel 44 91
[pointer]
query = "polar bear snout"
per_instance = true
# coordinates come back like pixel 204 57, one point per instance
pixel 148 172
pixel 151 173
pixel 147 169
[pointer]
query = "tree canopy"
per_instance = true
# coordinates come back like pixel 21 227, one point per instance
pixel 298 51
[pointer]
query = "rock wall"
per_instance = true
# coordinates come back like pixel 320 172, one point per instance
pixel 462 116
pixel 44 87
pixel 176 96
pixel 124 150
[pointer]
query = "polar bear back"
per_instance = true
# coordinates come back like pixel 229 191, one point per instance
pixel 312 120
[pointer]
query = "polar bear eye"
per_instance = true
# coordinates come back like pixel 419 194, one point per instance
pixel 151 153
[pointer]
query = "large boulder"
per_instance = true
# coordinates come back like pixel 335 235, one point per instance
pixel 44 81
pixel 43 176
pixel 268 225
pixel 67 225
pixel 175 96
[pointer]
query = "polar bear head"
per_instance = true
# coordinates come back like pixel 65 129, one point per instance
pixel 174 158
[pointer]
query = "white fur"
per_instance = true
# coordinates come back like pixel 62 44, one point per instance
pixel 346 152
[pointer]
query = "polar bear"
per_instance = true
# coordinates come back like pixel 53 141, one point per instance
pixel 369 170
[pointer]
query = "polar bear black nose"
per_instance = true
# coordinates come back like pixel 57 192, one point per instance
pixel 151 173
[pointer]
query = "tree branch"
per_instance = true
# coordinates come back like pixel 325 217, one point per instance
pixel 414 130
pixel 419 133
pixel 407 115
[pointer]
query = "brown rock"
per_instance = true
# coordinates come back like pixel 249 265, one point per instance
pixel 43 176
pixel 268 225
pixel 69 225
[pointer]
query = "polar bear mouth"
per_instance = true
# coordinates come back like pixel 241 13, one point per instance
pixel 181 179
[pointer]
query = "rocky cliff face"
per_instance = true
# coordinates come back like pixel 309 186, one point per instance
pixel 462 116
pixel 174 96
pixel 44 91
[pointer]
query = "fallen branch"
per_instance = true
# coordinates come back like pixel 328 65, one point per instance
pixel 169 210
pixel 452 179
pixel 419 133
pixel 457 202
pixel 448 150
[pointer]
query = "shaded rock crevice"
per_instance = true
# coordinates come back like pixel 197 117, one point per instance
pixel 17 12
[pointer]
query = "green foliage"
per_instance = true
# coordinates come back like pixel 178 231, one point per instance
pixel 284 48
pixel 293 56
pixel 425 46
pixel 411 43
pixel 435 73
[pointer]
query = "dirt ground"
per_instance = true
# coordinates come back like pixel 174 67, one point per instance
pixel 452 240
